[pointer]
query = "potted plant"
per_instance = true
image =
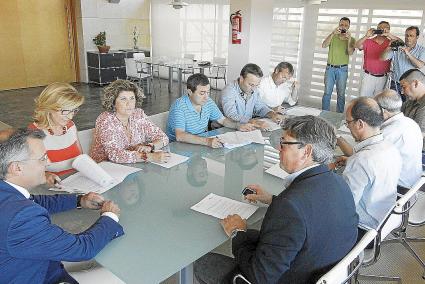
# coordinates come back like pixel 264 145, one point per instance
pixel 100 41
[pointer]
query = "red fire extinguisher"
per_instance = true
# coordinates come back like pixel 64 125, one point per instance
pixel 236 21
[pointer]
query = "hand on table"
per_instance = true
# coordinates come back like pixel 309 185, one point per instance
pixel 159 157
pixel 92 200
pixel 214 142
pixel 233 222
pixel 110 206
pixel 260 195
pixel 53 180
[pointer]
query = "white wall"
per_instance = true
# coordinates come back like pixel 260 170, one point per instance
pixel 118 20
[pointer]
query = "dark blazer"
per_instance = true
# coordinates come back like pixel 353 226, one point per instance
pixel 307 228
pixel 31 247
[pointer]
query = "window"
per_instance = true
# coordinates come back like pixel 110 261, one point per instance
pixel 204 29
pixel 286 36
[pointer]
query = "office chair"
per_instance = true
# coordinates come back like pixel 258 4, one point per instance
pixel 218 70
pixel 134 73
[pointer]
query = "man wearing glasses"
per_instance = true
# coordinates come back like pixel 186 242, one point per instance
pixel 308 227
pixel 31 247
pixel 373 167
pixel 241 100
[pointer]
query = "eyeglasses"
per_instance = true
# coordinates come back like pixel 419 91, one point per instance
pixel 68 111
pixel 347 122
pixel 283 142
pixel 43 158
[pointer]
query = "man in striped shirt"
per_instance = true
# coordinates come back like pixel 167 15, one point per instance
pixel 189 115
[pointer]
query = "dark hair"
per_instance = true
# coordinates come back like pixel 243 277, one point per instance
pixel 368 110
pixel 413 74
pixel 284 65
pixel 111 93
pixel 383 22
pixel 195 80
pixel 253 69
pixel 345 19
pixel 413 28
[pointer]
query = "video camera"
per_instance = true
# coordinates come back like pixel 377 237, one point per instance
pixel 395 45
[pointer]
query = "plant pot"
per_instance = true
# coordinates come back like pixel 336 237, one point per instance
pixel 103 48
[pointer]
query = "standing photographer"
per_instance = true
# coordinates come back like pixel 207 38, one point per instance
pixel 375 69
pixel 405 57
pixel 341 46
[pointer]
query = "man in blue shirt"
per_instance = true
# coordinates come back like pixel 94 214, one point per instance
pixel 190 114
pixel 410 56
pixel 241 100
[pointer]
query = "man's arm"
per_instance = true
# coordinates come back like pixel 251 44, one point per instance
pixel 281 238
pixel 228 102
pixel 56 203
pixel 183 136
pixel 357 178
pixel 345 147
pixel 328 39
pixel 418 63
pixel 351 44
pixel 359 43
pixel 32 236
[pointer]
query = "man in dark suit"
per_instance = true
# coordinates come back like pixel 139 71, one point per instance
pixel 308 227
pixel 31 247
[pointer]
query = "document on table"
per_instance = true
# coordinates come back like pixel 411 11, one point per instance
pixel 221 207
pixel 84 182
pixel 272 125
pixel 232 140
pixel 175 159
pixel 300 111
pixel 276 171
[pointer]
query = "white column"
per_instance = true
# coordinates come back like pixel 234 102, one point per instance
pixel 257 20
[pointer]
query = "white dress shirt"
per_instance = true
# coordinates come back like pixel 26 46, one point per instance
pixel 27 195
pixel 372 173
pixel 405 134
pixel 274 96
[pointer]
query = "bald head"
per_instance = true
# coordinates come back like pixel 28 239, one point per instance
pixel 367 110
pixel 389 100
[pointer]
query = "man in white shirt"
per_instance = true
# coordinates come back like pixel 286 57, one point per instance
pixel 373 169
pixel 279 88
pixel 405 134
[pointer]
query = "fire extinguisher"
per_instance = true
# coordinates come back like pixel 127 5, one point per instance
pixel 236 21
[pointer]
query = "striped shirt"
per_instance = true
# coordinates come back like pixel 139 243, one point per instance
pixel 184 116
pixel 401 63
pixel 61 149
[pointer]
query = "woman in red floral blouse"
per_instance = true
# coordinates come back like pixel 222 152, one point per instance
pixel 124 133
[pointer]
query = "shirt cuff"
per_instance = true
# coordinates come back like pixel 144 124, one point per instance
pixel 111 215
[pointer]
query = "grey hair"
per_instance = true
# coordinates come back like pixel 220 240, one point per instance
pixel 389 100
pixel 315 131
pixel 14 147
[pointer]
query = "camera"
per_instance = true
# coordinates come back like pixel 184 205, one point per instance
pixel 247 191
pixel 395 45
pixel 378 32
pixel 343 31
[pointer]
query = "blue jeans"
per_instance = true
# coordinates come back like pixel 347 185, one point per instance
pixel 338 77
pixel 396 87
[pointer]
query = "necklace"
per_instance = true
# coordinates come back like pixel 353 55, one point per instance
pixel 64 129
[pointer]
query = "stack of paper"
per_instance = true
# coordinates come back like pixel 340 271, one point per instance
pixel 277 171
pixel 300 111
pixel 174 160
pixel 221 207
pixel 232 140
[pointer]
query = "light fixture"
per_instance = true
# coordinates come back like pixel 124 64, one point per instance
pixel 313 2
pixel 178 4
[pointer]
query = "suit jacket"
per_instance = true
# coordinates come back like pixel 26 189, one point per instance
pixel 307 229
pixel 31 247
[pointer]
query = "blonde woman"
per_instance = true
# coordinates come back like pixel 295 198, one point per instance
pixel 124 133
pixel 54 109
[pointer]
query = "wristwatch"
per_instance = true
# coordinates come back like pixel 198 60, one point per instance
pixel 235 232
pixel 79 196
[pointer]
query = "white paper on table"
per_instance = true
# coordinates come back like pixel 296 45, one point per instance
pixel 344 128
pixel 277 171
pixel 232 140
pixel 80 183
pixel 174 160
pixel 221 207
pixel 300 111
pixel 272 125
pixel 89 168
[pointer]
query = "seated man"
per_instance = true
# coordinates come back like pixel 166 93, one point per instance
pixel 189 115
pixel 413 85
pixel 279 88
pixel 308 227
pixel 241 101
pixel 31 246
pixel 373 169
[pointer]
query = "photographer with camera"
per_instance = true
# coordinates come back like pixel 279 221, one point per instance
pixel 409 55
pixel 375 70
pixel 341 46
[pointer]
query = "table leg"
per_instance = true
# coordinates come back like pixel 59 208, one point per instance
pixel 170 79
pixel 186 275
pixel 179 78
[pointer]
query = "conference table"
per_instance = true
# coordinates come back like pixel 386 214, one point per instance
pixel 179 64
pixel 162 234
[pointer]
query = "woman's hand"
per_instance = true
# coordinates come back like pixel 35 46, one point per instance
pixel 159 157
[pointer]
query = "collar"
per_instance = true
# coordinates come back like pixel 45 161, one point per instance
pixel 241 93
pixel 369 141
pixel 420 102
pixel 189 104
pixel 392 119
pixel 22 190
pixel 291 177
